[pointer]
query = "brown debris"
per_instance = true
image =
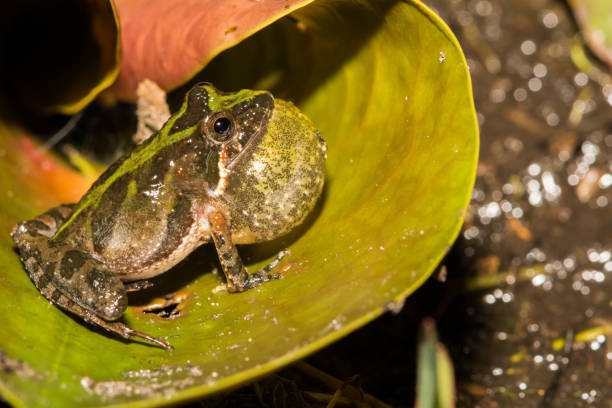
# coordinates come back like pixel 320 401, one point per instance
pixel 489 265
pixel 152 110
pixel 588 187
pixel 168 307
pixel 12 365
pixel 563 145
pixel 519 229
pixel 526 122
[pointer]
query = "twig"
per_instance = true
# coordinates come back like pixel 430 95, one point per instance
pixel 335 384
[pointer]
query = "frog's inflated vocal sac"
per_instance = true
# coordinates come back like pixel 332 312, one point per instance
pixel 234 168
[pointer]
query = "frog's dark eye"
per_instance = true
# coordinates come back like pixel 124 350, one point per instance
pixel 219 128
pixel 222 126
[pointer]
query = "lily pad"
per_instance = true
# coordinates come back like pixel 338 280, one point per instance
pixel 388 86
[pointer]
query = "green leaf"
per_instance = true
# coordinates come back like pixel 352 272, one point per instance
pixel 435 374
pixel 446 378
pixel 427 366
pixel 595 20
pixel 388 86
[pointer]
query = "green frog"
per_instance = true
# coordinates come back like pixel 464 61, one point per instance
pixel 231 168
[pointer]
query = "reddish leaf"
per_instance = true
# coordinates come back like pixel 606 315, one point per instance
pixel 53 176
pixel 170 41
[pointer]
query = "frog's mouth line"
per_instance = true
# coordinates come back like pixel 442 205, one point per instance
pixel 251 142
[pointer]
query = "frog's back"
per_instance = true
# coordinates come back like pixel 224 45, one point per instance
pixel 137 218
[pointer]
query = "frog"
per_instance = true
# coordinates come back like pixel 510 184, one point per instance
pixel 233 168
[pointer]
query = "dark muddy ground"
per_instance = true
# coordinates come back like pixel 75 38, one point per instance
pixel 533 264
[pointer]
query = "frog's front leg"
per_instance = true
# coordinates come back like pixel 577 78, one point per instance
pixel 238 279
pixel 71 279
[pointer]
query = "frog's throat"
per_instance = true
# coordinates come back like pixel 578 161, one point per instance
pixel 224 172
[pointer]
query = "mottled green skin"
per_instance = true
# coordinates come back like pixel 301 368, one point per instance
pixel 271 191
pixel 184 186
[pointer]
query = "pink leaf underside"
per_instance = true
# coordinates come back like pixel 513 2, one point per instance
pixel 169 41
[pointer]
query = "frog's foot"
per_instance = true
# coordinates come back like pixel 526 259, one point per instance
pixel 57 297
pixel 264 275
pixel 61 300
pixel 238 279
pixel 113 327
pixel 127 332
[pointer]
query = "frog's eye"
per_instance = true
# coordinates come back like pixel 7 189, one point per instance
pixel 220 127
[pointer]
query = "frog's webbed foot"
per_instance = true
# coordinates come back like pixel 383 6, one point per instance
pixel 113 327
pixel 127 332
pixel 58 298
pixel 238 279
pixel 264 275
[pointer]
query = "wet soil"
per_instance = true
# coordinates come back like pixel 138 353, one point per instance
pixel 540 218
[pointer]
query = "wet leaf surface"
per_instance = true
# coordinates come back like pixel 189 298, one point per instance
pixel 387 84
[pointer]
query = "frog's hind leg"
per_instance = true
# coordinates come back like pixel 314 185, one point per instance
pixel 115 327
pixel 58 298
pixel 69 278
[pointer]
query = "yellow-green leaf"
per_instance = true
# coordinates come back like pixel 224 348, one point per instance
pixel 388 86
pixel 595 20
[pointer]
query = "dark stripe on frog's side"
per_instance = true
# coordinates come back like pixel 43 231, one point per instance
pixel 179 222
pixel 155 172
pixel 103 220
pixel 130 163
pixel 71 262
pixel 197 109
